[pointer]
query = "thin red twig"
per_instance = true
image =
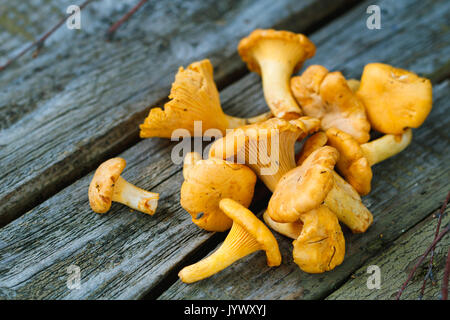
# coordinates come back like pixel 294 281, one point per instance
pixel 445 279
pixel 40 42
pixel 411 274
pixel 116 25
pixel 430 266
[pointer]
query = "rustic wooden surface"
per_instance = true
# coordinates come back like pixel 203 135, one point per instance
pixel 396 263
pixel 81 100
pixel 126 254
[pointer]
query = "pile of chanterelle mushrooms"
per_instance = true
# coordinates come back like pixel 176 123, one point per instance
pixel 312 191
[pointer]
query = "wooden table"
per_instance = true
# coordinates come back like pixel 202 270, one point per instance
pixel 80 100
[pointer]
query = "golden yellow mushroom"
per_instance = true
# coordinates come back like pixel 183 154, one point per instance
pixel 320 246
pixel 276 55
pixel 247 235
pixel 395 99
pixel 315 182
pixel 194 97
pixel 266 147
pixel 107 186
pixel 206 182
pixel 328 97
pixel 356 160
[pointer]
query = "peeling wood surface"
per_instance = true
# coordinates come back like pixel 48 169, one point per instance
pixel 127 254
pixel 82 98
pixel 396 263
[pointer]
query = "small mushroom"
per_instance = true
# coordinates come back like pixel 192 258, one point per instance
pixel 276 55
pixel 395 99
pixel 247 235
pixel 194 97
pixel 207 182
pixel 315 182
pixel 356 160
pixel 266 147
pixel 328 97
pixel 107 186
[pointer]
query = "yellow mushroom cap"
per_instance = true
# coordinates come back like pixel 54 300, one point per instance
pixel 328 97
pixel 305 187
pixel 395 99
pixel 271 44
pixel 194 97
pixel 255 228
pixel 352 163
pixel 101 189
pixel 207 182
pixel 266 147
pixel 321 244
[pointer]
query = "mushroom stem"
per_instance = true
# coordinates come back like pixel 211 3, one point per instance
pixel 288 229
pixel 236 122
pixel 134 197
pixel 385 147
pixel 238 244
pixel 277 92
pixel 345 202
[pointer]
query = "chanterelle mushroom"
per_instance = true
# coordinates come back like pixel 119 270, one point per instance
pixel 356 217
pixel 313 143
pixel 276 55
pixel 328 97
pixel 315 182
pixel 395 99
pixel 320 246
pixel 356 160
pixel 107 185
pixel 247 235
pixel 266 147
pixel 207 182
pixel 194 97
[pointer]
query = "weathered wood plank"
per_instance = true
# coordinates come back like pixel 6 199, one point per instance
pixel 121 254
pixel 396 263
pixel 405 188
pixel 82 98
pixel 63 231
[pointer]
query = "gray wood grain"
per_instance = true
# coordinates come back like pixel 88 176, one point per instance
pixel 396 263
pixel 82 98
pixel 123 256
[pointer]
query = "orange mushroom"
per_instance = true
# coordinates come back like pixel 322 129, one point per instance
pixel 247 235
pixel 194 97
pixel 356 160
pixel 107 186
pixel 276 55
pixel 395 99
pixel 328 97
pixel 206 182
pixel 266 147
